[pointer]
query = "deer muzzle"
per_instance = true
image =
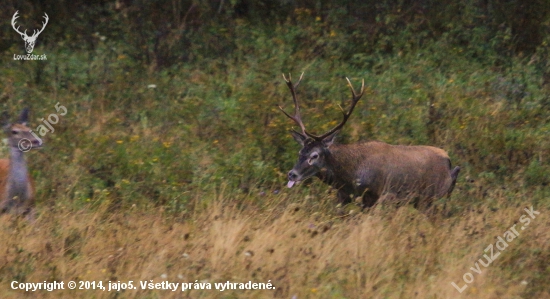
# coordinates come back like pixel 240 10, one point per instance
pixel 292 178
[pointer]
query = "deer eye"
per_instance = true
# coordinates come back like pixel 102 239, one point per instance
pixel 312 158
pixel 14 132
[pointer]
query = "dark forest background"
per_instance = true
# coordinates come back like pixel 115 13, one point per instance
pixel 170 32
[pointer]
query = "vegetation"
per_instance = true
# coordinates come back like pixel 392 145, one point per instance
pixel 171 161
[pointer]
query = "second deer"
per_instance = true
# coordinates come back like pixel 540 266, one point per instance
pixel 16 185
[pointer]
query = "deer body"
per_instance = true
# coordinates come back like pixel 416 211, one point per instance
pixel 370 169
pixel 374 169
pixel 16 185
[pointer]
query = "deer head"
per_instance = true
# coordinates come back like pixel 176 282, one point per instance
pixel 29 40
pixel 18 134
pixel 315 149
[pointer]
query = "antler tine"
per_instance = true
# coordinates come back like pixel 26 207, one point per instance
pixel 355 95
pixel 13 23
pixel 296 118
pixel 290 78
pixel 43 25
pixel 354 100
pixel 35 31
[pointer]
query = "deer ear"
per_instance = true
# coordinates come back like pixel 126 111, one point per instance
pixel 24 116
pixel 301 139
pixel 5 120
pixel 329 140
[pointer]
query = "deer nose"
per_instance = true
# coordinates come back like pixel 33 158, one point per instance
pixel 292 175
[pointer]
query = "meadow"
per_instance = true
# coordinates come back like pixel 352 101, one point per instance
pixel 173 167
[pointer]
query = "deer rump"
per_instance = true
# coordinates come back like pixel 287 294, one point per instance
pixel 376 169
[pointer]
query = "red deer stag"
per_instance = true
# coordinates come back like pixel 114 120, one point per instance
pixel 16 185
pixel 369 169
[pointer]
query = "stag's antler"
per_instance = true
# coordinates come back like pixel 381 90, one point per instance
pixel 45 16
pixel 296 118
pixel 355 98
pixel 15 16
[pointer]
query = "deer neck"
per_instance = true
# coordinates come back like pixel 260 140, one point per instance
pixel 329 174
pixel 18 179
pixel 338 170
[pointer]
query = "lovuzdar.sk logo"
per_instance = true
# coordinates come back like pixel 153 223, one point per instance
pixel 29 40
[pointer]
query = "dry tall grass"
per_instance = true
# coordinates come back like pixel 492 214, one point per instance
pixel 382 253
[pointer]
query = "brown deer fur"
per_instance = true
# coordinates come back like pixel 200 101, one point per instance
pixel 16 185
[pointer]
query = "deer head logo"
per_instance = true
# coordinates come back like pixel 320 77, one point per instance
pixel 29 40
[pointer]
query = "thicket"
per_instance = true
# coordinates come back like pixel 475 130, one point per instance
pixel 170 32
